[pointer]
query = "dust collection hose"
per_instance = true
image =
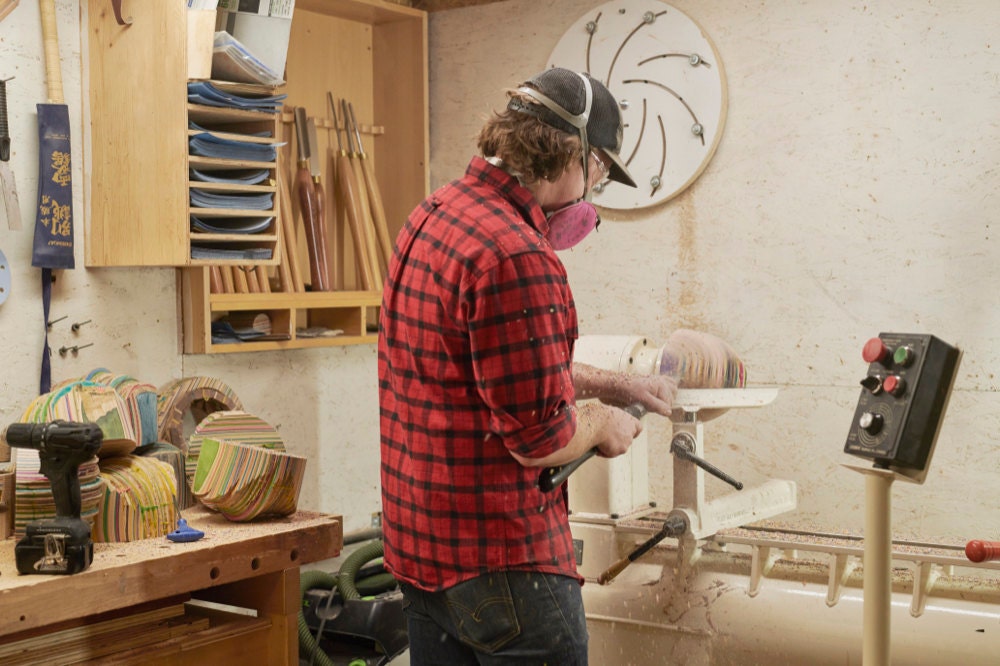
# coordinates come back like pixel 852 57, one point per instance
pixel 346 584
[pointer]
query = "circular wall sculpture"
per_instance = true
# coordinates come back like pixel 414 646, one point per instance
pixel 670 84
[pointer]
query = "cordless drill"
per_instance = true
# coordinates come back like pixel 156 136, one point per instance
pixel 60 545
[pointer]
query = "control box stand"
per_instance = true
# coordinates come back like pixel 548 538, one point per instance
pixel 903 399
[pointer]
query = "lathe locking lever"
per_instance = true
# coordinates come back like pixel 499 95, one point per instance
pixel 683 446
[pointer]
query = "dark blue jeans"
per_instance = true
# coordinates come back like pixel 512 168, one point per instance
pixel 507 617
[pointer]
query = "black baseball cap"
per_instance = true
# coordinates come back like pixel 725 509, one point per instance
pixel 562 102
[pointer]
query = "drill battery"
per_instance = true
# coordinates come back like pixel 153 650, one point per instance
pixel 60 545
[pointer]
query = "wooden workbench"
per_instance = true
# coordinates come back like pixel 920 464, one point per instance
pixel 251 567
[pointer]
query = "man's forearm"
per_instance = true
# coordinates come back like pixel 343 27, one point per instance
pixel 591 382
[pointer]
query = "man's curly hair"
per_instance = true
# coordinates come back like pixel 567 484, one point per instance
pixel 528 147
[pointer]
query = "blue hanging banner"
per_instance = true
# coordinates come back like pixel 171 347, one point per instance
pixel 53 246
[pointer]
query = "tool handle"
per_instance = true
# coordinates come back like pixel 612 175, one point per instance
pixel 553 477
pixel 50 41
pixel 982 551
pixel 349 195
pixel 612 572
pixel 673 526
pixel 315 231
pixel 4 131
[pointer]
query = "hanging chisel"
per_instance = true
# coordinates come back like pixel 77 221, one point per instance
pixel 348 189
pixel 8 187
pixel 374 196
pixel 319 191
pixel 315 230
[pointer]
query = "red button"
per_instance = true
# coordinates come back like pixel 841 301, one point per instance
pixel 874 351
pixel 894 385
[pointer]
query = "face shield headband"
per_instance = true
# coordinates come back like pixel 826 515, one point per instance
pixel 578 121
pixel 572 223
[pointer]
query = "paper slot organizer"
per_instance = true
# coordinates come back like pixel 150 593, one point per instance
pixel 244 482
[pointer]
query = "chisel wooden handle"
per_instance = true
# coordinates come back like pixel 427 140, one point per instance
pixel 553 477
pixel 50 42
pixel 673 526
pixel 215 280
pixel 314 227
pixel 982 551
pixel 288 233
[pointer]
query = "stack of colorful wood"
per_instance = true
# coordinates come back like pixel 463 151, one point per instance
pixel 243 482
pixel 33 491
pixel 88 402
pixel 232 425
pixel 140 400
pixel 172 456
pixel 138 500
pixel 189 400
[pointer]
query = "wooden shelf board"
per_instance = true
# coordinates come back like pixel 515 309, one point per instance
pixel 363 11
pixel 216 114
pixel 231 187
pixel 234 262
pixel 298 301
pixel 233 136
pixel 248 89
pixel 217 164
pixel 231 212
pixel 255 240
pixel 297 343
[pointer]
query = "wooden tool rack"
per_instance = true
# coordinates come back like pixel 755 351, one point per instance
pixel 144 602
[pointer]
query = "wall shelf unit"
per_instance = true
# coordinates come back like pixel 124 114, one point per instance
pixel 372 53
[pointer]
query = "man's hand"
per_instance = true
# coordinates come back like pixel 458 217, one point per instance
pixel 654 392
pixel 618 431
pixel 609 429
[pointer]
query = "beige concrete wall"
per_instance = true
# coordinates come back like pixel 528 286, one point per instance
pixel 855 190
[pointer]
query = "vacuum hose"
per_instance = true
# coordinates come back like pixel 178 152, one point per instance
pixel 346 585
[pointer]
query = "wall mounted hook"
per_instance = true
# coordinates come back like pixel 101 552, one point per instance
pixel 48 324
pixel 77 324
pixel 74 348
pixel 116 5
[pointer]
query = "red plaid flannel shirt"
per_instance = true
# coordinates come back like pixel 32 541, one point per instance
pixel 474 359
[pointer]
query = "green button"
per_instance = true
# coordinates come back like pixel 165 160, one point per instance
pixel 902 356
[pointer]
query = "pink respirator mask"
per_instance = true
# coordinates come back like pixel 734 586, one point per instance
pixel 571 224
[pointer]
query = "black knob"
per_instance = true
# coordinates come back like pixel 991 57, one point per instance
pixel 871 422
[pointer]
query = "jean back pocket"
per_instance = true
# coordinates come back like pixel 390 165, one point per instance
pixel 483 612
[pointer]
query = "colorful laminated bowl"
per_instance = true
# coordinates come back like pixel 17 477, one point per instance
pixel 138 500
pixel 88 402
pixel 233 425
pixel 244 482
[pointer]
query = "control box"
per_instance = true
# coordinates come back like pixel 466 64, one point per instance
pixel 903 400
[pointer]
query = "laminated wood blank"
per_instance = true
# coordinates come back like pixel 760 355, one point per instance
pixel 138 500
pixel 243 482
pixel 234 424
